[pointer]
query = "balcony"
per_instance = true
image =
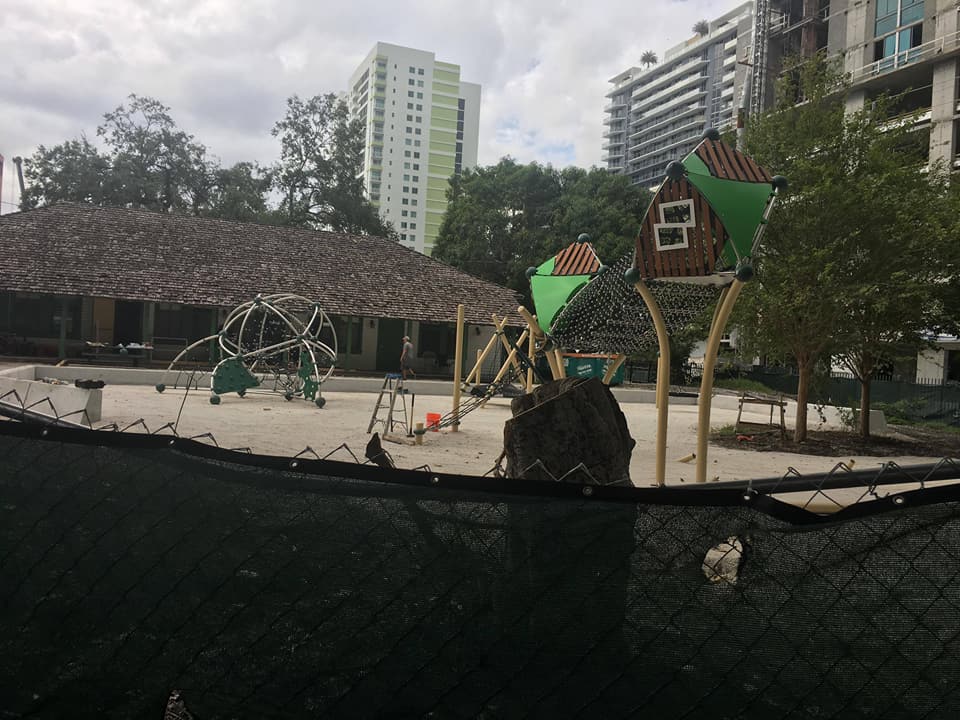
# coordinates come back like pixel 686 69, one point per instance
pixel 938 48
pixel 639 92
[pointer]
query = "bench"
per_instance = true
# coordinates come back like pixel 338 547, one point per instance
pixel 750 399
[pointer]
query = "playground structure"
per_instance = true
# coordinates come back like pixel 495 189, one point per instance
pixel 280 344
pixel 694 249
pixel 703 226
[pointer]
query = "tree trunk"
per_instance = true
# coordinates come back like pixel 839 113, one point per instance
pixel 805 367
pixel 865 405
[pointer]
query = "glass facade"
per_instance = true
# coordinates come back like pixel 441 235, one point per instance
pixel 898 30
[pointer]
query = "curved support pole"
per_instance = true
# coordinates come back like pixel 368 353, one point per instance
pixel 663 378
pixel 722 314
pixel 612 369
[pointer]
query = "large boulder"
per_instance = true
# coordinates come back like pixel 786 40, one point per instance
pixel 565 423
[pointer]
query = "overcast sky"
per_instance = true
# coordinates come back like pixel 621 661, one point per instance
pixel 225 67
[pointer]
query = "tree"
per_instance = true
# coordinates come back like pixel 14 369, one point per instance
pixel 239 193
pixel 843 270
pixel 649 58
pixel 504 218
pixel 149 163
pixel 73 171
pixel 156 165
pixel 319 173
pixel 701 28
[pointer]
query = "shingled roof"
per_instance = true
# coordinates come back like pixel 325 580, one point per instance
pixel 75 249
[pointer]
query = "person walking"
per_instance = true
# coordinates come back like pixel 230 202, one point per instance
pixel 406 355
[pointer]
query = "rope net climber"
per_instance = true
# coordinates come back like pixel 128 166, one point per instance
pixel 609 316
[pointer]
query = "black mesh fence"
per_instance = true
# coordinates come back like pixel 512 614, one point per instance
pixel 133 566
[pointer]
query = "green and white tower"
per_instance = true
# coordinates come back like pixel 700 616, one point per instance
pixel 421 125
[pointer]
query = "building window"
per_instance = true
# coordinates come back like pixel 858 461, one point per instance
pixel 416 155
pixel 406 153
pixel 416 131
pixel 403 225
pixel 416 178
pixel 412 69
pixel 405 201
pixel 414 190
pixel 898 29
pixel 419 96
pixel 413 213
pixel 413 226
pixel 411 81
pixel 416 143
pixel 416 166
pixel 419 71
pixel 354 331
pixel 406 188
pixel 403 213
pixel 419 83
pixel 419 107
pixel 409 93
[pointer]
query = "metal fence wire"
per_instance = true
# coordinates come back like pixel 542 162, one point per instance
pixel 144 572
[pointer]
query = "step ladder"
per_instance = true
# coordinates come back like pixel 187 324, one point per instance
pixel 393 389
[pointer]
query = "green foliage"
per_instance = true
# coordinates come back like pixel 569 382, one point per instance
pixel 853 261
pixel 902 411
pixel 701 28
pixel 504 218
pixel 148 162
pixel 649 58
pixel 74 171
pixel 319 173
pixel 240 193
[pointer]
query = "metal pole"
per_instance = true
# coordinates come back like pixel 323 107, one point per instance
pixel 457 368
pixel 706 382
pixel 663 378
pixel 612 369
pixel 532 354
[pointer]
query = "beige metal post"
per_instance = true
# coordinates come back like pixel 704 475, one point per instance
pixel 501 333
pixel 612 369
pixel 663 378
pixel 457 368
pixel 556 368
pixel 706 382
pixel 506 365
pixel 481 356
pixel 560 368
pixel 531 355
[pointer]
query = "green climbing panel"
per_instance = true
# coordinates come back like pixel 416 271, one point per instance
pixel 232 376
pixel 306 373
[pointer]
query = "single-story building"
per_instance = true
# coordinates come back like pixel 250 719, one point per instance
pixel 74 274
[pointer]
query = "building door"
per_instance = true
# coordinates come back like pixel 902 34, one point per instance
pixel 128 322
pixel 389 345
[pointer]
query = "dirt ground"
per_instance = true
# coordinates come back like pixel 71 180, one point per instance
pixel 268 424
pixel 899 441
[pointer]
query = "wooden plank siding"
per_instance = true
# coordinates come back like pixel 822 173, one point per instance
pixel 705 240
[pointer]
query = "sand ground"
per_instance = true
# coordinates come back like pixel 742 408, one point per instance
pixel 268 424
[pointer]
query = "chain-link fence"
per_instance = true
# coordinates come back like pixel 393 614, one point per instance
pixel 133 566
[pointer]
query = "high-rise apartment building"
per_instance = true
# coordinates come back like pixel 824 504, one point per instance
pixel 658 114
pixel 422 125
pixel 906 49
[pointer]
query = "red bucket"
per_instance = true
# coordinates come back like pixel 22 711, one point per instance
pixel 433 422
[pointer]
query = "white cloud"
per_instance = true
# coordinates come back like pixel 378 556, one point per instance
pixel 225 67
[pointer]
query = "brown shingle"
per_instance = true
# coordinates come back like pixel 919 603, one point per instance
pixel 75 249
